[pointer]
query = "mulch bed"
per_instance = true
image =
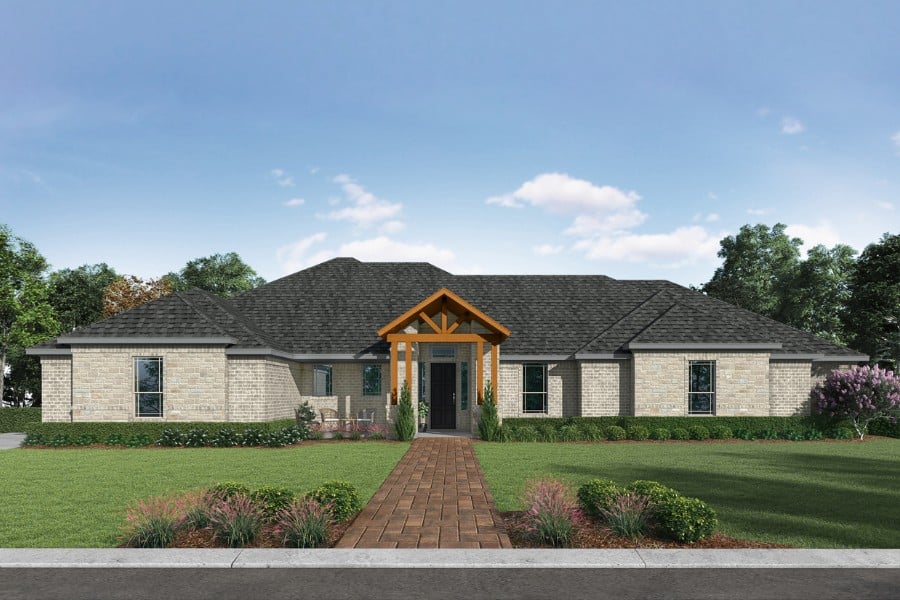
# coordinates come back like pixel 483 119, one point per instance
pixel 594 534
pixel 204 538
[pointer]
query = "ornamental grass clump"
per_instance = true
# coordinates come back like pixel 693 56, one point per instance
pixel 489 423
pixel 304 523
pixel 553 514
pixel 152 523
pixel 862 395
pixel 236 521
pixel 629 516
pixel 197 507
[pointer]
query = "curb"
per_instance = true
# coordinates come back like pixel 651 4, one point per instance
pixel 257 558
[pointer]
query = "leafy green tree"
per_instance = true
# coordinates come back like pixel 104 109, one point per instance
pixel 221 274
pixel 77 294
pixel 26 317
pixel 872 316
pixel 758 264
pixel 816 295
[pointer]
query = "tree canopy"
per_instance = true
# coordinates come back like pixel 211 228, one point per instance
pixel 130 291
pixel 221 274
pixel 77 294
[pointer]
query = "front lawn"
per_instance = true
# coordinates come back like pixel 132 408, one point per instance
pixel 77 498
pixel 807 494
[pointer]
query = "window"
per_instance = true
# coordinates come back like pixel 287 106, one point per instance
pixel 464 386
pixel 372 380
pixel 702 390
pixel 443 351
pixel 422 369
pixel 322 380
pixel 148 386
pixel 534 386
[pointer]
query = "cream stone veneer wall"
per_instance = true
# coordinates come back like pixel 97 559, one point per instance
pixel 606 388
pixel 563 389
pixel 661 382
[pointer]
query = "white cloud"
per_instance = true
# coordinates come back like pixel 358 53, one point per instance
pixel 365 208
pixel 295 202
pixel 712 217
pixel 896 139
pixel 393 227
pixel 597 208
pixel 813 235
pixel 712 196
pixel 299 255
pixel 885 205
pixel 293 257
pixel 792 126
pixel 547 249
pixel 282 178
pixel 758 212
pixel 683 246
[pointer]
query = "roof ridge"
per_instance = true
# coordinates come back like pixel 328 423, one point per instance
pixel 654 321
pixel 617 321
pixel 241 320
pixel 181 297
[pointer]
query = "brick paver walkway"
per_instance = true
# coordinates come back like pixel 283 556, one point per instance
pixel 435 497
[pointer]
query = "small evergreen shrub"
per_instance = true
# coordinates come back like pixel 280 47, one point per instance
pixel 152 523
pixel 614 433
pixel 552 514
pixel 660 433
pixel 546 432
pixel 680 433
pixel 812 434
pixel 841 433
pixel 638 433
pixel 721 432
pixel 699 432
pixel 590 432
pixel 114 439
pixel 138 440
pixel 795 435
pixel 768 434
pixel 271 500
pixel 171 438
pixel 341 496
pixel 228 489
pixel 253 436
pixel 405 427
pixel 304 524
pixel 227 438
pixel 236 521
pixel 569 433
pixel 654 491
pixel 85 439
pixel 685 519
pixel 17 419
pixel 304 416
pixel 744 434
pixel 489 423
pixel 629 516
pixel 597 494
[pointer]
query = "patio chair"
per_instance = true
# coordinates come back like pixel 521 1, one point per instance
pixel 330 418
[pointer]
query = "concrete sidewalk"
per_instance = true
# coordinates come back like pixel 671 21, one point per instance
pixel 8 441
pixel 258 558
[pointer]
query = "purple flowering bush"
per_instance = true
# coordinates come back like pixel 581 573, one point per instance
pixel 862 394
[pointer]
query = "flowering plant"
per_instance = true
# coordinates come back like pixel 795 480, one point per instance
pixel 861 394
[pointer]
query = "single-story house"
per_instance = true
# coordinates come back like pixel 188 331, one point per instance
pixel 346 335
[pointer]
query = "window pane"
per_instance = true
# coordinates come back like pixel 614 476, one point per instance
pixel 534 403
pixel 372 380
pixel 322 380
pixel 535 380
pixel 701 377
pixel 149 405
pixel 701 403
pixel 148 375
pixel 464 385
pixel 443 351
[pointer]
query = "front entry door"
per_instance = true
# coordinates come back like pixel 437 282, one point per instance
pixel 443 395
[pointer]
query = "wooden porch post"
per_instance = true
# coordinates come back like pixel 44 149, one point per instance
pixel 495 362
pixel 394 372
pixel 479 362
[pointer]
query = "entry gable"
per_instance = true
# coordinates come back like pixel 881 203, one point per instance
pixel 435 312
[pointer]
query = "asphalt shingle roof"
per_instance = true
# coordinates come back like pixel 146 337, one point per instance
pixel 337 307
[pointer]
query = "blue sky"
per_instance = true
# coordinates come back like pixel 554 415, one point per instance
pixel 486 137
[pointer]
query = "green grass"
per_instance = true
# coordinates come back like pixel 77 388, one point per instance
pixel 806 494
pixel 77 498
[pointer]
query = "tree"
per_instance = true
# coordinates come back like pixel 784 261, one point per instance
pixel 26 317
pixel 489 423
pixel 129 292
pixel 861 394
pixel 872 315
pixel 77 294
pixel 405 426
pixel 221 274
pixel 816 295
pixel 758 264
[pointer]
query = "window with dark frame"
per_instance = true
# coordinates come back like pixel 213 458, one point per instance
pixel 322 380
pixel 534 388
pixel 702 387
pixel 463 386
pixel 148 386
pixel 372 380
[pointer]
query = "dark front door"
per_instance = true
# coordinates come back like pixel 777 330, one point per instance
pixel 443 395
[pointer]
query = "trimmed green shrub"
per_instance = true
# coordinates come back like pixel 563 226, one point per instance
pixel 597 494
pixel 405 427
pixel 227 438
pixel 590 432
pixel 569 433
pixel 638 433
pixel 253 436
pixel 720 432
pixel 341 496
pixel 614 433
pixel 841 433
pixel 699 432
pixel 813 434
pixel 680 433
pixel 745 434
pixel 170 438
pixel 489 422
pixel 272 500
pixel 196 438
pixel 660 433
pixel 228 489
pixel 655 491
pixel 15 420
pixel 131 434
pixel 685 519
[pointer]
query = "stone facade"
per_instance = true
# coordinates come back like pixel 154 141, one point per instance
pixel 789 387
pixel 56 386
pixel 562 390
pixel 606 388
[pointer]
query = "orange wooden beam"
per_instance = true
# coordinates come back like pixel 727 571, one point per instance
pixel 464 319
pixel 479 358
pixel 456 303
pixel 394 372
pixel 495 368
pixel 444 337
pixel 444 315
pixel 424 316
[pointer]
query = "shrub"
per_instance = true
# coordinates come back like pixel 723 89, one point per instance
pixel 699 432
pixel 152 523
pixel 660 433
pixel 862 394
pixel 795 435
pixel 841 433
pixel 685 519
pixel 226 438
pixel 597 494
pixel 17 419
pixel 569 433
pixel 236 521
pixel 745 434
pixel 271 500
pixel 315 431
pixel 655 492
pixel 812 434
pixel 341 496
pixel 253 436
pixel 768 434
pixel 115 439
pixel 590 431
pixel 680 433
pixel 228 489
pixel 376 432
pixel 304 524
pixel 546 432
pixel 629 516
pixel 638 433
pixel 489 423
pixel 614 433
pixel 405 426
pixel 85 439
pixel 304 415
pixel 720 432
pixel 171 438
pixel 552 514
pixel 138 440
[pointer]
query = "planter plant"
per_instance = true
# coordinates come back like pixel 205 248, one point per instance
pixel 423 415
